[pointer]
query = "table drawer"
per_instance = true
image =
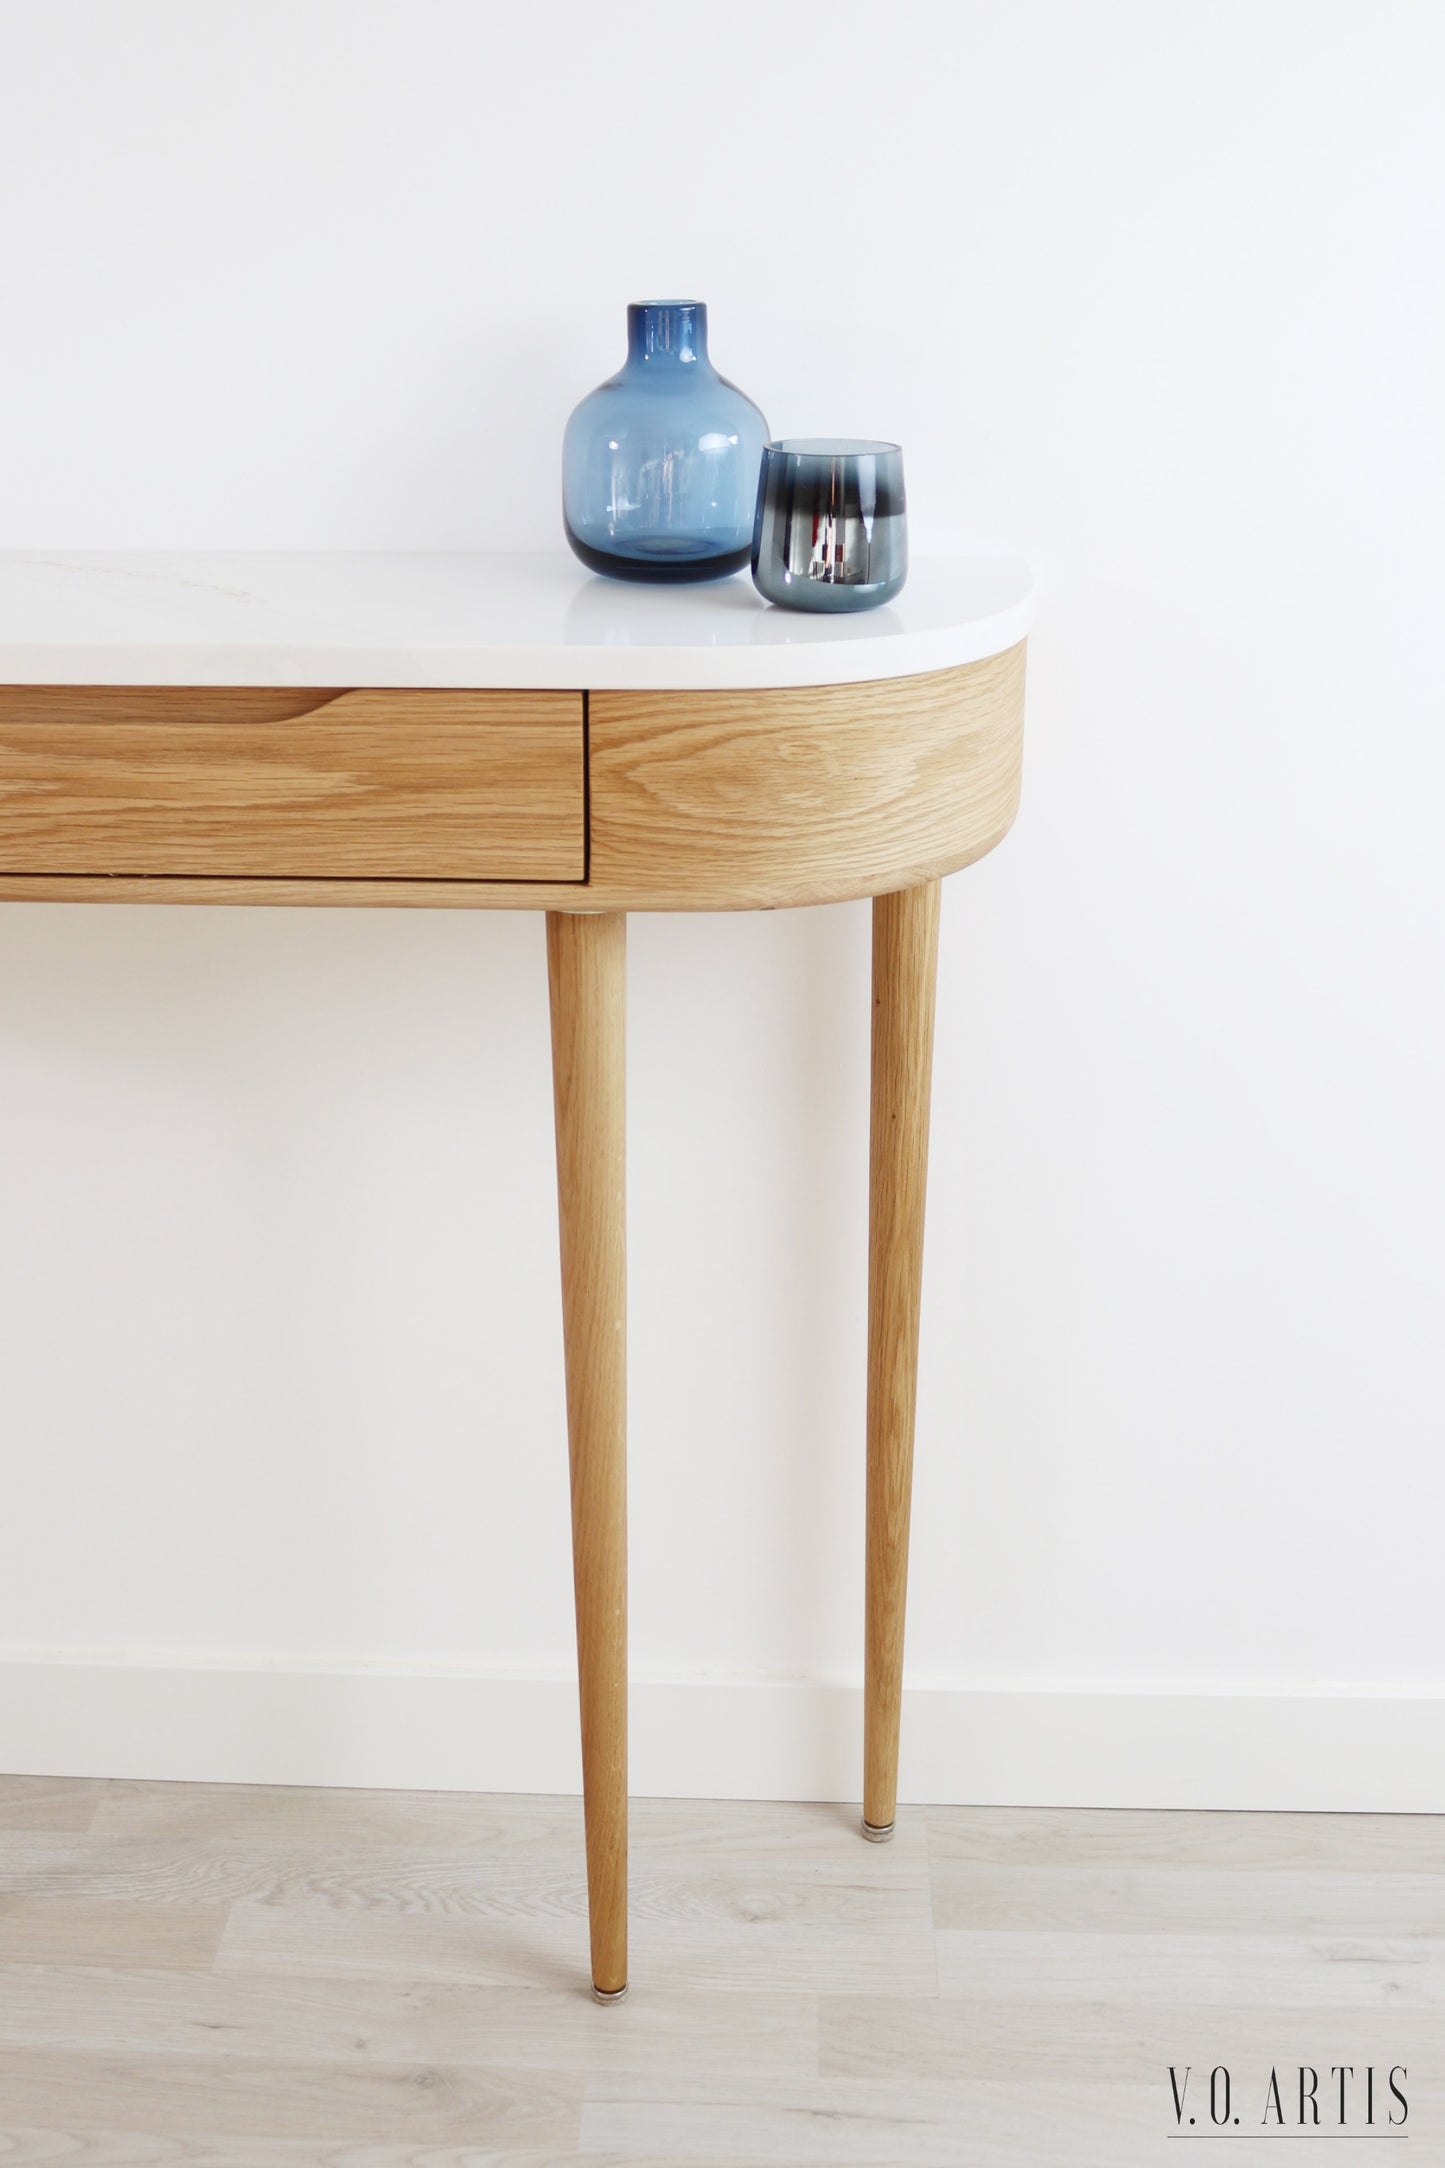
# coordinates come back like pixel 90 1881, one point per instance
pixel 272 783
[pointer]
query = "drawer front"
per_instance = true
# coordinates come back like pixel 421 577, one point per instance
pixel 454 786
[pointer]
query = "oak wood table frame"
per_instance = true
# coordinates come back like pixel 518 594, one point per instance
pixel 587 805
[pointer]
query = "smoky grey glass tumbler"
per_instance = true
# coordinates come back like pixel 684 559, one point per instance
pixel 831 531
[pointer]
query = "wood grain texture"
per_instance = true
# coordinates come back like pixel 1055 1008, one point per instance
pixel 699 801
pixel 392 1883
pixel 720 1953
pixel 1092 2043
pixel 1229 1968
pixel 905 964
pixel 868 2123
pixel 1134 1838
pixel 453 786
pixel 386 895
pixel 1159 1901
pixel 257 1817
pixel 586 960
pixel 731 801
pixel 164 2097
pixel 56 1930
pixel 787 2003
pixel 313 2016
pixel 49 1803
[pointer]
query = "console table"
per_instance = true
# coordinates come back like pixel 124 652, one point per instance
pixel 465 732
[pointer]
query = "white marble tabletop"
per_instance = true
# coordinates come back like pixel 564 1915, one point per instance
pixel 538 620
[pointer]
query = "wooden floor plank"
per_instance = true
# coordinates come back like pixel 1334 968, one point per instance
pixel 793 1834
pixel 1135 1838
pixel 1221 1970
pixel 294 2018
pixel 54 1803
pixel 88 2148
pixel 45 1930
pixel 285 1814
pixel 1188 1900
pixel 839 2123
pixel 344 2103
pixel 890 1950
pixel 510 1885
pixel 1090 2043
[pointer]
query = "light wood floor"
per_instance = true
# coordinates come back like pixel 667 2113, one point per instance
pixel 228 1975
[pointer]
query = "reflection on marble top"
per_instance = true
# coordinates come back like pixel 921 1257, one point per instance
pixel 318 618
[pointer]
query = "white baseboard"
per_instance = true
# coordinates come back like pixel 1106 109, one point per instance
pixel 717 1738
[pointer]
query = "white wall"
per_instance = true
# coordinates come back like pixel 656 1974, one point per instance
pixel 1152 296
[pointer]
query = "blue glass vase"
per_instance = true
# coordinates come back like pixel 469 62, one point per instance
pixel 660 463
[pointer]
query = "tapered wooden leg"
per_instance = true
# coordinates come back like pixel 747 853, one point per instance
pixel 586 969
pixel 905 957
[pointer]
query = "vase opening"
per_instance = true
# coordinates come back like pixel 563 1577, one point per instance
pixel 663 332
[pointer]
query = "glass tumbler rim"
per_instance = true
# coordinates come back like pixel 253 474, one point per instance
pixel 831 447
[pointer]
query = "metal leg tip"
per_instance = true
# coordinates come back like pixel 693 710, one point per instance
pixel 610 1994
pixel 877 1834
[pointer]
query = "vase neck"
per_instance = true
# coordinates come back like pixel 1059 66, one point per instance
pixel 667 334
